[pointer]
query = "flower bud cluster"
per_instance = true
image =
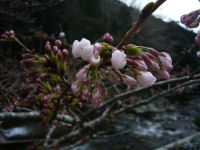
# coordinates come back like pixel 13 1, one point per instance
pixel 191 20
pixel 8 35
pixel 142 61
pixel 87 90
pixel 45 73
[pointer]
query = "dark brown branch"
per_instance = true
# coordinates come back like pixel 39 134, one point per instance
pixel 134 91
pixel 144 102
pixel 146 13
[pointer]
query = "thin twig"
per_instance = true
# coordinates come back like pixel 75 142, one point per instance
pixel 72 145
pixel 48 136
pixel 144 102
pixel 31 115
pixel 134 91
pixel 21 44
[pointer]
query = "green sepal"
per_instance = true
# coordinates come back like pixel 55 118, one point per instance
pixel 133 50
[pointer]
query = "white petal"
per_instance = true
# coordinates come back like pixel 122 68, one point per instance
pixel 84 42
pixel 146 78
pixel 118 59
pixel 94 60
pixel 87 52
pixel 76 49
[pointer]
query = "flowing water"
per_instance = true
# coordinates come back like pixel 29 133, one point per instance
pixel 149 127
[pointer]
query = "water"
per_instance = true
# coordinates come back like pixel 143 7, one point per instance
pixel 153 126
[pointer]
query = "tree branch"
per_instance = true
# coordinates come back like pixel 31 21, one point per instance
pixel 146 13
pixel 143 102
pixel 31 115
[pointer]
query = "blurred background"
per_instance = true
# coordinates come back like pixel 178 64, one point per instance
pixel 36 21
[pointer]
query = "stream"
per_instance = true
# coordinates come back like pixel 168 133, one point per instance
pixel 150 127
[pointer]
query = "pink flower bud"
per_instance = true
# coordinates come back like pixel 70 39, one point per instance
pixel 146 78
pixel 57 88
pixel 65 52
pixel 118 59
pixel 153 52
pixel 152 64
pixel 75 88
pixel 47 46
pixel 97 103
pixel 55 49
pixel 28 55
pixel 107 38
pixel 45 99
pixel 119 102
pixel 97 48
pixel 11 32
pixel 195 24
pixel 6 37
pixel 166 61
pixel 80 104
pixel 198 54
pixel 129 80
pixel 59 53
pixel 140 65
pixel 86 92
pixel 163 74
pixel 191 20
pixel 96 95
pixel 184 19
pixel 58 43
pixel 27 62
pixel 81 75
pixel 83 97
pixel 198 33
pixel 45 76
pixel 197 40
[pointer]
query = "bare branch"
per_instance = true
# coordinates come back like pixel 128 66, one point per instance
pixel 98 120
pixel 145 15
pixel 143 102
pixel 48 136
pixel 31 115
pixel 137 90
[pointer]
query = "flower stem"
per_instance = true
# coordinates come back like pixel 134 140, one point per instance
pixel 22 45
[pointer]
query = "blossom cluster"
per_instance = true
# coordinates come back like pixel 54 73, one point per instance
pixel 143 62
pixel 192 20
pixel 7 35
pixel 134 65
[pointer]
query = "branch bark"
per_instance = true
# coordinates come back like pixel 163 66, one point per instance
pixel 143 17
pixel 31 115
